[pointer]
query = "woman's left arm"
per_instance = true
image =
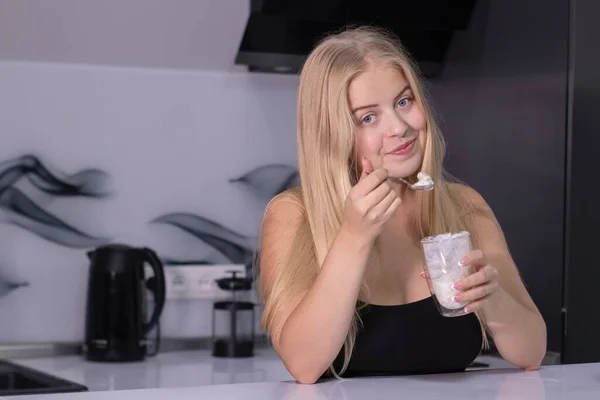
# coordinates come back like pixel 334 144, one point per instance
pixel 495 287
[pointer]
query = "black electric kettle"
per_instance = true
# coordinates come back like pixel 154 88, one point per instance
pixel 116 325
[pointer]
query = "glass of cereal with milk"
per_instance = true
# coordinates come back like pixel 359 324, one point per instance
pixel 443 253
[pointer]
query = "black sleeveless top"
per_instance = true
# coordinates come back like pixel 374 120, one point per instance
pixel 412 338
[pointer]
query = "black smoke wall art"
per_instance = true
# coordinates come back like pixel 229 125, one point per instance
pixel 230 247
pixel 269 180
pixel 8 285
pixel 18 209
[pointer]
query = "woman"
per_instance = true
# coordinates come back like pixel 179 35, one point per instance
pixel 341 266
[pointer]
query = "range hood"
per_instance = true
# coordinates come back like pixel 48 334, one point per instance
pixel 280 33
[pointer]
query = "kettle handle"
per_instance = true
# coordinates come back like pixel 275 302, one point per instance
pixel 159 292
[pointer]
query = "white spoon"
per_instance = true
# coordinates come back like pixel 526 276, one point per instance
pixel 425 182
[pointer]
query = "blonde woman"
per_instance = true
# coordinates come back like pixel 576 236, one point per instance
pixel 340 258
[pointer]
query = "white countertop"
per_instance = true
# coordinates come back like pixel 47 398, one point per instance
pixel 175 370
pixel 166 370
pixel 578 381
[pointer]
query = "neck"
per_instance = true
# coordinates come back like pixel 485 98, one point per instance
pixel 403 191
pixel 407 213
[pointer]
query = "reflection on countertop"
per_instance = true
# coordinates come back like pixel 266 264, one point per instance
pixel 497 384
pixel 556 382
pixel 176 369
pixel 166 370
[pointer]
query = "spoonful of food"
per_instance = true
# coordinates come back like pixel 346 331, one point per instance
pixel 424 183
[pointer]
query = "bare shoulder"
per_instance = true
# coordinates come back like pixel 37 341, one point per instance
pixel 289 197
pixel 284 209
pixel 283 217
pixel 467 199
pixel 476 213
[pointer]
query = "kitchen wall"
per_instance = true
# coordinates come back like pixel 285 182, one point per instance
pixel 156 143
pixel 92 155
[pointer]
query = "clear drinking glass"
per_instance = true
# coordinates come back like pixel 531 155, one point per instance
pixel 442 259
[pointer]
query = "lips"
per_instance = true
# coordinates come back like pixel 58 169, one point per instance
pixel 402 147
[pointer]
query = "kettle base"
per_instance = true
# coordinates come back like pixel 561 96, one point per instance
pixel 225 348
pixel 113 359
pixel 114 354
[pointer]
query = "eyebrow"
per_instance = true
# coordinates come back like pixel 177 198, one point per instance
pixel 404 89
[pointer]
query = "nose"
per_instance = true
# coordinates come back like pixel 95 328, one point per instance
pixel 398 127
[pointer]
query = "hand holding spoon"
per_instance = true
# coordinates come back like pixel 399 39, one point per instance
pixel 425 182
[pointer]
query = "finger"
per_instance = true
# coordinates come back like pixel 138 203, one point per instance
pixel 476 305
pixel 371 175
pixel 369 183
pixel 476 293
pixel 367 168
pixel 392 209
pixel 380 208
pixel 480 277
pixel 425 275
pixel 377 195
pixel 475 258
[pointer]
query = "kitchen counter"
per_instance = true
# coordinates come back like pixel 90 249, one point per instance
pixel 578 381
pixel 167 370
pixel 175 370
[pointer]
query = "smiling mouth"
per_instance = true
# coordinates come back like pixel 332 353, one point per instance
pixel 402 147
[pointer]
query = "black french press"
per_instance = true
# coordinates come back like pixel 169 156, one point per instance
pixel 233 319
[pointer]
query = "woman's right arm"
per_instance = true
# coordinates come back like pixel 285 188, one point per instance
pixel 309 329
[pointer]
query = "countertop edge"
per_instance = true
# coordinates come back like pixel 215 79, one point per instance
pixel 53 349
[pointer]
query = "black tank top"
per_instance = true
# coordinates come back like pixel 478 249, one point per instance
pixel 412 338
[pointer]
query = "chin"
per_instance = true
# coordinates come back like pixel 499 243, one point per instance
pixel 402 173
pixel 406 169
pixel 404 166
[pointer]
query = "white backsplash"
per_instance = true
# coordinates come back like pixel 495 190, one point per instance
pixel 164 142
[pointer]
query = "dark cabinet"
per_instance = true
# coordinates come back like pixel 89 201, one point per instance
pixel 518 105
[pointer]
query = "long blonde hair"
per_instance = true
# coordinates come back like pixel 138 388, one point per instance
pixel 327 162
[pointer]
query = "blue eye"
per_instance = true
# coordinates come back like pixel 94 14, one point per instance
pixel 368 119
pixel 405 101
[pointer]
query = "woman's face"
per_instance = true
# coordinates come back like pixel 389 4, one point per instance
pixel 390 124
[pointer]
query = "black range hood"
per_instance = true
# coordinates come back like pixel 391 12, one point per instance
pixel 280 33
